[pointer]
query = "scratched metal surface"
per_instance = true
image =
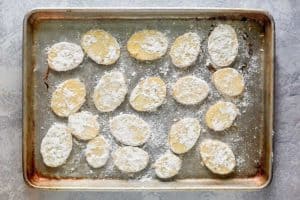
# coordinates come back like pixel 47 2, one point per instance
pixel 285 184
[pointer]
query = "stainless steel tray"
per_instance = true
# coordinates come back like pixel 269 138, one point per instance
pixel 250 137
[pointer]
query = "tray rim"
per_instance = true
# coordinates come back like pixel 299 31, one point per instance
pixel 30 181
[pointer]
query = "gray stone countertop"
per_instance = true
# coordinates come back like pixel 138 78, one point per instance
pixel 286 174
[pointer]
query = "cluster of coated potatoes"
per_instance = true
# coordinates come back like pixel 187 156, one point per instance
pixel 128 129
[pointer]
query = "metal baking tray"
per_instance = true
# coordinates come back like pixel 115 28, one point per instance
pixel 250 137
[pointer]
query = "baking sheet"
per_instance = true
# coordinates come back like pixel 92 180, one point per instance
pixel 247 137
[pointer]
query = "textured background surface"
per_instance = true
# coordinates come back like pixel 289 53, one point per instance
pixel 286 178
